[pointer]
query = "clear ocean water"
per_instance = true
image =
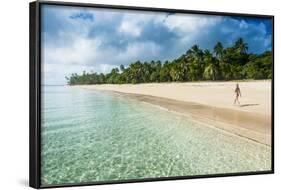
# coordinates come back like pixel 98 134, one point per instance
pixel 90 136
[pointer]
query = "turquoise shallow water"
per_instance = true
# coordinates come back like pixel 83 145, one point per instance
pixel 90 136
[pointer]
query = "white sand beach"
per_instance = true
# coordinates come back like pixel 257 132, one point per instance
pixel 211 102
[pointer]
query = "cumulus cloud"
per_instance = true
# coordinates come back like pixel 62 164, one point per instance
pixel 77 39
pixel 190 24
pixel 130 28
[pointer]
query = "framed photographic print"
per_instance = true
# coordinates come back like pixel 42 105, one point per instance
pixel 131 94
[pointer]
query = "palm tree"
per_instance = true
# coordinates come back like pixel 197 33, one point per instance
pixel 122 68
pixel 194 59
pixel 240 46
pixel 218 50
pixel 175 71
pixel 211 71
pixel 196 53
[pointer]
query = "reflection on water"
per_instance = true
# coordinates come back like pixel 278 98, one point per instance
pixel 90 136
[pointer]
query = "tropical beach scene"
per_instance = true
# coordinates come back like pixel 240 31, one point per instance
pixel 135 95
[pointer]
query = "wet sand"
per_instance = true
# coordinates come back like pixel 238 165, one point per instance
pixel 250 125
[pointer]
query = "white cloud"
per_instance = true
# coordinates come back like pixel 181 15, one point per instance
pixel 130 28
pixel 190 24
pixel 132 24
pixel 80 52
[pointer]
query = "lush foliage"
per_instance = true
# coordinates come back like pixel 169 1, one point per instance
pixel 229 63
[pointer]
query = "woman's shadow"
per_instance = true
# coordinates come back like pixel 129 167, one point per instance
pixel 245 105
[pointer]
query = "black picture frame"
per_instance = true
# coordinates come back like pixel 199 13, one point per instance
pixel 35 92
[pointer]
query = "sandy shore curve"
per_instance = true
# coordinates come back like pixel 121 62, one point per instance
pixel 209 102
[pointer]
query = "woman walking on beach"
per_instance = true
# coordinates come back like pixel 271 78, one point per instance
pixel 237 94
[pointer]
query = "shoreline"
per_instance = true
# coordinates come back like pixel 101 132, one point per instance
pixel 221 118
pixel 252 125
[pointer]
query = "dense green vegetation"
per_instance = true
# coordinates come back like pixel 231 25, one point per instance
pixel 231 63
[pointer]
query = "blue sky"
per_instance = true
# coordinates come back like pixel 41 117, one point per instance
pixel 77 39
